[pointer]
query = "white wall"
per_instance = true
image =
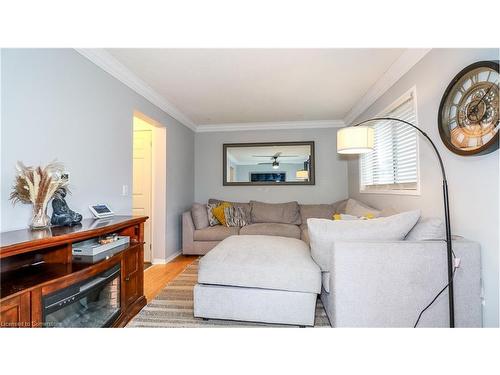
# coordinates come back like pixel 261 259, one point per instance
pixel 331 171
pixel 473 181
pixel 57 104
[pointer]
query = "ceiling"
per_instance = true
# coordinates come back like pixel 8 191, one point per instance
pixel 227 86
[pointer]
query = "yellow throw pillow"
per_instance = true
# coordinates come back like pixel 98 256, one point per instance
pixel 219 214
pixel 352 217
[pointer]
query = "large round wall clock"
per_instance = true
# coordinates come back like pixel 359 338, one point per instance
pixel 468 113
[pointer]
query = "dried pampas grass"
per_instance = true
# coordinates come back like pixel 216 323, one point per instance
pixel 37 185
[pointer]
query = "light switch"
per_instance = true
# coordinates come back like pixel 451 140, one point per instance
pixel 124 190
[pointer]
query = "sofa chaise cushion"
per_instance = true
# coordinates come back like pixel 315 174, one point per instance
pixel 267 262
pixel 215 233
pixel 272 229
pixel 285 213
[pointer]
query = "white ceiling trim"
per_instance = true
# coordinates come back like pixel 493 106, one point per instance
pixel 241 126
pixel 108 63
pixel 399 68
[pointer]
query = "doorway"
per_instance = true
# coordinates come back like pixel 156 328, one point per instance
pixel 149 184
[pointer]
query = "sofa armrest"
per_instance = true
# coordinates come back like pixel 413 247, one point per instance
pixel 187 233
pixel 386 283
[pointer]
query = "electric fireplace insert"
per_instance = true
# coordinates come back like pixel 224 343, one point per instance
pixel 94 302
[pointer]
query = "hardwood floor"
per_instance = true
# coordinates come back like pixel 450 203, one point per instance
pixel 159 275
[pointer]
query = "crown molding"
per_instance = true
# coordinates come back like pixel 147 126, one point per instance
pixel 399 68
pixel 278 125
pixel 109 64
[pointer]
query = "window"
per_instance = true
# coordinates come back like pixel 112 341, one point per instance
pixel 392 166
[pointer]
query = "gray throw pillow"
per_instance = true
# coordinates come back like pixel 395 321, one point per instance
pixel 429 228
pixel 324 233
pixel 235 216
pixel 200 216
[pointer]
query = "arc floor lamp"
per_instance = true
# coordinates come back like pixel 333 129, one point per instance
pixel 359 139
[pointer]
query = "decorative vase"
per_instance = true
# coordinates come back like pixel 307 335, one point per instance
pixel 37 186
pixel 39 217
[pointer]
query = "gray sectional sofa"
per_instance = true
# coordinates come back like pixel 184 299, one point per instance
pixel 364 283
pixel 281 219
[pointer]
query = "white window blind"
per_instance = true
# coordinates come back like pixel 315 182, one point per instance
pixel 393 163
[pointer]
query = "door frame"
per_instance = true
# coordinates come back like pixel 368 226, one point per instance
pixel 158 188
pixel 143 134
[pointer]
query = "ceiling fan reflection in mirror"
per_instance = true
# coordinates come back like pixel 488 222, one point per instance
pixel 275 163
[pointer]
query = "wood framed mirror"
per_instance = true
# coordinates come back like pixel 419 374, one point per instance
pixel 271 163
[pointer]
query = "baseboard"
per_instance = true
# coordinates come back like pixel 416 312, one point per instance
pixel 167 260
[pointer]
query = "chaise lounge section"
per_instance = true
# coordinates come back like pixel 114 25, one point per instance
pixel 257 278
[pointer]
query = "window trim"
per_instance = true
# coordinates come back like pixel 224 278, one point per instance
pixel 411 93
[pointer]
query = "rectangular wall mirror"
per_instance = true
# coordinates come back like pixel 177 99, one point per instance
pixel 273 163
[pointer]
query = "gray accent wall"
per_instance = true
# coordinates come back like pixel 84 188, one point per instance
pixel 331 170
pixel 56 104
pixel 473 181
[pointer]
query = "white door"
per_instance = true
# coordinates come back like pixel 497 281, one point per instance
pixel 142 182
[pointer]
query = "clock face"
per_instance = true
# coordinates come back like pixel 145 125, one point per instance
pixel 469 111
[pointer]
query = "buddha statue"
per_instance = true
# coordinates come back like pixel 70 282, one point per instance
pixel 62 214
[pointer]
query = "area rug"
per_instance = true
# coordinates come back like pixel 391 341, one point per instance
pixel 173 308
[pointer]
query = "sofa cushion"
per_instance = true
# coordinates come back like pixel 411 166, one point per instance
pixel 285 213
pixel 212 220
pixel 200 215
pixel 272 229
pixel 318 211
pixel 246 206
pixel 219 213
pixel 323 233
pixel 267 262
pixel 235 216
pixel 215 233
pixel 430 228
pixel 356 208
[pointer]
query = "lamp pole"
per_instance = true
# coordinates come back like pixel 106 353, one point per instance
pixel 449 250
